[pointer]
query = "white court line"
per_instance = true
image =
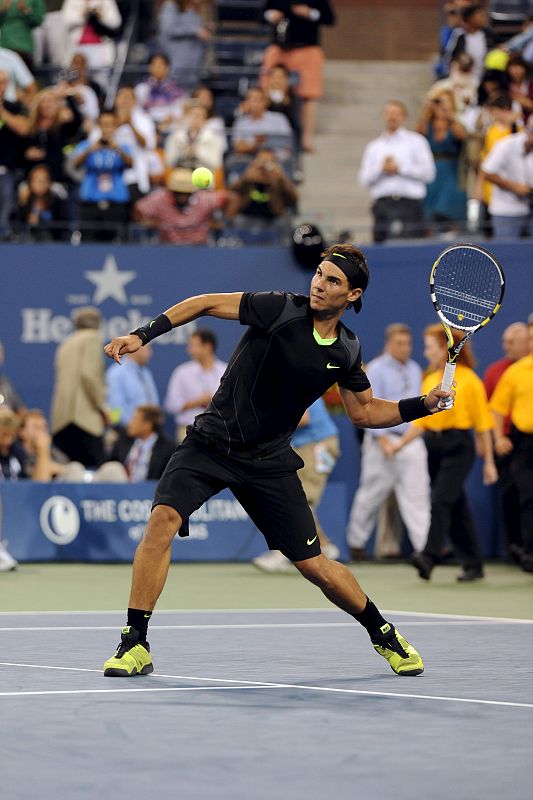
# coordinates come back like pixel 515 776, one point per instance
pixel 425 614
pixel 147 689
pixel 248 684
pixel 247 625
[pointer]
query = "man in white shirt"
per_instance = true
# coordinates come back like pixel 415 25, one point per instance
pixel 396 168
pixel 509 167
pixel 193 384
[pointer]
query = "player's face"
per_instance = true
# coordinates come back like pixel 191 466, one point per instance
pixel 330 290
pixel 434 352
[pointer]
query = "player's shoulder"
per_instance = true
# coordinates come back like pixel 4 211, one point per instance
pixel 350 341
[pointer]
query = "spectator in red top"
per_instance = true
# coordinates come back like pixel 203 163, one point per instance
pixel 179 213
pixel 515 346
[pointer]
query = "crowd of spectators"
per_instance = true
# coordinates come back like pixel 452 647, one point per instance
pixel 475 120
pixel 107 159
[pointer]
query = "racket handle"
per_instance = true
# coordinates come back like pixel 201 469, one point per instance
pixel 447 377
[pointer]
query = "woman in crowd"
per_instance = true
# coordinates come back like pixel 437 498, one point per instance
pixel 41 206
pixel 204 95
pixel 451 453
pixel 195 143
pixel 159 95
pixel 520 85
pixel 445 201
pixel 182 34
pixel 281 96
pixel 91 26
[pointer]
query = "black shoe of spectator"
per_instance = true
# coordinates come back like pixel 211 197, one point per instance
pixel 469 575
pixel 527 563
pixel 423 564
pixel 358 554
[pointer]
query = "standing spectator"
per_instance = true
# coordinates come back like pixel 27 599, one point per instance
pixel 41 206
pixel 264 191
pixel 129 385
pixel 193 384
pixel 90 26
pixel 49 37
pixel 143 448
pixel 54 123
pixel 179 213
pixel 18 18
pixel 136 134
pixel 182 34
pixel 11 469
pixel 78 402
pixel 448 36
pixel 9 397
pixel 195 143
pixel 12 128
pixel 21 83
pixel 316 441
pixel 520 84
pixel 476 38
pixel 296 45
pixel 390 462
pixel 87 92
pixel 281 97
pixel 515 347
pixel 512 398
pixel 445 201
pixel 461 82
pixel 159 95
pixel 509 168
pixel 451 454
pixel 396 168
pixel 104 195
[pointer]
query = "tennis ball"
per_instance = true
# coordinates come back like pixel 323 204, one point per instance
pixel 496 59
pixel 202 178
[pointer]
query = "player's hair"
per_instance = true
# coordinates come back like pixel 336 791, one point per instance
pixel 206 337
pixel 466 356
pixel 87 317
pixel 152 414
pixel 397 327
pixel 357 257
pixel 9 421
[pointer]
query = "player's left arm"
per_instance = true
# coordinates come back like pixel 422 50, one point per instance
pixel 367 411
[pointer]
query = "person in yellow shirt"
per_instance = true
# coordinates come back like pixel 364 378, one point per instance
pixel 451 453
pixel 512 397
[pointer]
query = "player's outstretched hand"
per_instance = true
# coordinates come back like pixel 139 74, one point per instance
pixel 439 400
pixel 121 345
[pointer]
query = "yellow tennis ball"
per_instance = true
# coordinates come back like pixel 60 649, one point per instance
pixel 202 178
pixel 496 59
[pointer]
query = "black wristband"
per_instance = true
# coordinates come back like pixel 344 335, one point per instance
pixel 413 408
pixel 157 327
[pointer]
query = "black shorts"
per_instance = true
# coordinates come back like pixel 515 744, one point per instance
pixel 268 489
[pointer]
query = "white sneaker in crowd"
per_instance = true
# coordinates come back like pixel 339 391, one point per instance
pixel 7 562
pixel 273 561
pixel 331 551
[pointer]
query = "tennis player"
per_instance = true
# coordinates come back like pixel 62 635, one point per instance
pixel 295 347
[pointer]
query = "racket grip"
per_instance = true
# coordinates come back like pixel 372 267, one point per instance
pixel 447 377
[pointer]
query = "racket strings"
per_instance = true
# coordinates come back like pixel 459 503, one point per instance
pixel 469 287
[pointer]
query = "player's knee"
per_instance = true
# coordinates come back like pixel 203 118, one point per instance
pixel 164 523
pixel 314 569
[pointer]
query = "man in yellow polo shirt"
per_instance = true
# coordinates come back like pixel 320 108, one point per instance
pixel 513 397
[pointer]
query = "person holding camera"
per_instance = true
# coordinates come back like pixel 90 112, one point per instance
pixel 104 194
pixel 264 190
pixel 509 168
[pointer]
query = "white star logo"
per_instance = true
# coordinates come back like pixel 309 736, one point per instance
pixel 110 282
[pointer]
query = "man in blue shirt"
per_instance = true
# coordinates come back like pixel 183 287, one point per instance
pixel 130 385
pixel 104 194
pixel 384 467
pixel 316 440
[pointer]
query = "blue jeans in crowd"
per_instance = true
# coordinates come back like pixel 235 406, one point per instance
pixel 512 227
pixel 7 200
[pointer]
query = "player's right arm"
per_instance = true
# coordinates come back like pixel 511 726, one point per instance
pixel 223 306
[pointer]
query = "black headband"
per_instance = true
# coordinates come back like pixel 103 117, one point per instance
pixel 353 272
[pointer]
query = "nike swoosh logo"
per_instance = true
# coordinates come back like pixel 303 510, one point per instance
pixel 332 366
pixel 310 541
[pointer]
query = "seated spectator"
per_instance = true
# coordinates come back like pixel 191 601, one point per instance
pixel 17 21
pixel 252 130
pixel 205 96
pixel 193 384
pixel 130 384
pixel 90 26
pixel 179 213
pixel 12 457
pixel 12 128
pixel 182 34
pixel 520 84
pixel 195 143
pixel 9 397
pixel 87 93
pixel 41 206
pixel 445 201
pixel 137 134
pixel 54 122
pixel 159 95
pixel 461 82
pixel 144 449
pixel 508 167
pixel 21 83
pixel 104 195
pixel 264 190
pixel 476 39
pixel 281 97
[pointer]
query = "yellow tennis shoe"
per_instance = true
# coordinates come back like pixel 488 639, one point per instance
pixel 402 656
pixel 131 657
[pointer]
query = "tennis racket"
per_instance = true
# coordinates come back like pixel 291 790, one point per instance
pixel 466 285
